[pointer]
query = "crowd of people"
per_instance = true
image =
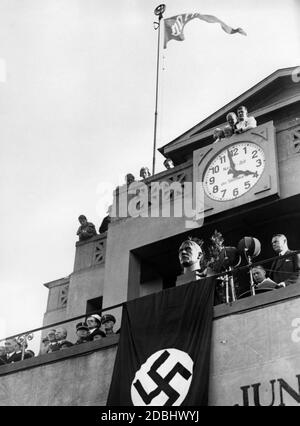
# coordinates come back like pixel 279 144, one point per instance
pixel 95 327
pixel 14 351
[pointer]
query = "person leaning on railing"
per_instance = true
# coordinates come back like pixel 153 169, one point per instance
pixel 260 279
pixel 61 337
pixel 14 351
pixel 82 332
pixel 108 321
pixel 94 325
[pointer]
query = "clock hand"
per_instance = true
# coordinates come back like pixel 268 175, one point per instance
pixel 235 172
pixel 232 169
pixel 248 172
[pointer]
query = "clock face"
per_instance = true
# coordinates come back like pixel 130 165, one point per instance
pixel 234 171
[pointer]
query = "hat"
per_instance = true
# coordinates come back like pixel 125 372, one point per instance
pixel 96 316
pixel 82 326
pixel 97 333
pixel 108 317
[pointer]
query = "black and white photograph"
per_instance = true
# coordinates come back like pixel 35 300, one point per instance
pixel 150 206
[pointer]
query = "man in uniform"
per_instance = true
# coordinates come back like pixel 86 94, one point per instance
pixel 82 332
pixel 108 321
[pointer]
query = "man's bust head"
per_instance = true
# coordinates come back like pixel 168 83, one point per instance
pixel 190 254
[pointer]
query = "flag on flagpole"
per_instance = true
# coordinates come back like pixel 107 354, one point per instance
pixel 174 26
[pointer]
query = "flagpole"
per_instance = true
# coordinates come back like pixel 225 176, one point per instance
pixel 158 12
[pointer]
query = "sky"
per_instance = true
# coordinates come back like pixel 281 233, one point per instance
pixel 77 98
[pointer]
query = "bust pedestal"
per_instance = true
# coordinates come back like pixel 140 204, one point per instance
pixel 195 275
pixel 189 277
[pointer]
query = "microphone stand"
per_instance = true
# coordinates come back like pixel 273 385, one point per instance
pixel 249 260
pixel 229 282
pixel 231 285
pixel 226 288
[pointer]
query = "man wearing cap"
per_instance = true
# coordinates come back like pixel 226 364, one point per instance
pixel 86 229
pixel 82 332
pixel 94 325
pixel 108 321
pixel 98 334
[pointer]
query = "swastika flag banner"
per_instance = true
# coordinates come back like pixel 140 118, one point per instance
pixel 164 348
pixel 174 26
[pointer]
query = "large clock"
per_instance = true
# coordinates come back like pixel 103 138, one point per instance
pixel 234 171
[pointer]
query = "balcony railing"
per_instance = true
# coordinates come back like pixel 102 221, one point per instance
pixel 36 336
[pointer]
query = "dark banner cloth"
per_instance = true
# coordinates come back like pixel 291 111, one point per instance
pixel 164 348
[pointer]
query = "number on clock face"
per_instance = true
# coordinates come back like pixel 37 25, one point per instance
pixel 234 171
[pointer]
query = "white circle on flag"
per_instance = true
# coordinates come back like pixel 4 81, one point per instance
pixel 166 376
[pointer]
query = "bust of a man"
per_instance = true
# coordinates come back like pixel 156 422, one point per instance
pixel 190 258
pixel 190 254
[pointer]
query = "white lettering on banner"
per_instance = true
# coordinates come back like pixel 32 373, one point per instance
pixel 296 333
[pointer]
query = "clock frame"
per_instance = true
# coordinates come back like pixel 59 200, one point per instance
pixel 212 164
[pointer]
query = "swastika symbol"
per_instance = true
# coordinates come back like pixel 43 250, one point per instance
pixel 164 379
